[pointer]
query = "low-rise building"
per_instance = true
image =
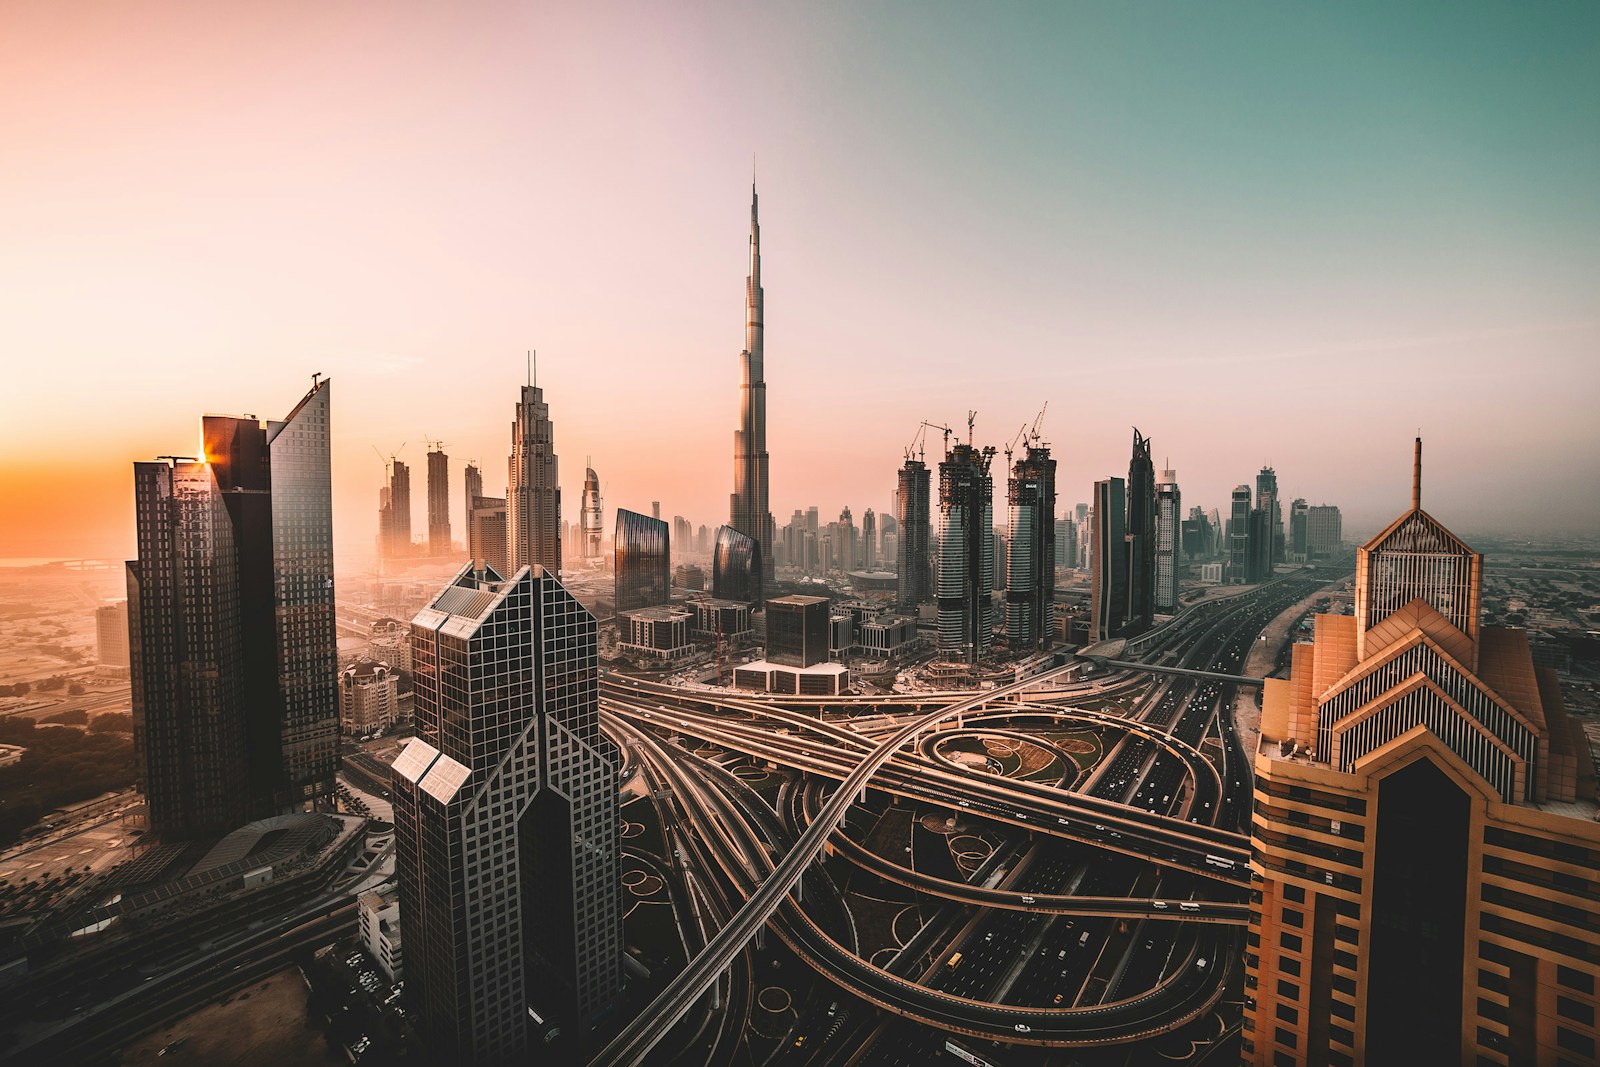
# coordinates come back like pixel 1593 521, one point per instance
pixel 661 632
pixel 380 928
pixel 369 698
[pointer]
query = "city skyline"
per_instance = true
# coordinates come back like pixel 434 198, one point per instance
pixel 1409 219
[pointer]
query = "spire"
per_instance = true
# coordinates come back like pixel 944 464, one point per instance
pixel 1416 477
pixel 755 239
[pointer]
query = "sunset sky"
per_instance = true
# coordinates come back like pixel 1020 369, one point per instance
pixel 1263 233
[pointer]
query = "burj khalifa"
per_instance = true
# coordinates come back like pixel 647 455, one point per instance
pixel 748 504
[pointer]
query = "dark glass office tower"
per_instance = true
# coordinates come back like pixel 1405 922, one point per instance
pixel 1297 529
pixel 1031 556
pixel 911 552
pixel 506 824
pixel 735 566
pixel 1108 561
pixel 748 507
pixel 1239 556
pixel 1141 534
pixel 533 485
pixel 264 575
pixel 186 652
pixel 965 583
pixel 438 503
pixel 1267 500
pixel 643 569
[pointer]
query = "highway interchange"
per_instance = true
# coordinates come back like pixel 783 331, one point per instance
pixel 1111 910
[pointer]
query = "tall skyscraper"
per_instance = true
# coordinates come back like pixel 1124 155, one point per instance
pixel 1031 556
pixel 473 488
pixel 533 485
pixel 1240 558
pixel 593 520
pixel 964 586
pixel 748 508
pixel 1272 509
pixel 1108 561
pixel 506 821
pixel 487 540
pixel 643 568
pixel 438 502
pixel 231 623
pixel 1297 530
pixel 1141 533
pixel 911 551
pixel 869 540
pixel 1426 857
pixel 1169 546
pixel 849 542
pixel 394 513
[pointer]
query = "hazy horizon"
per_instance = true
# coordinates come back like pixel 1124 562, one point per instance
pixel 1293 236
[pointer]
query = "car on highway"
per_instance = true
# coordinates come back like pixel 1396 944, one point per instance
pixel 1023 1028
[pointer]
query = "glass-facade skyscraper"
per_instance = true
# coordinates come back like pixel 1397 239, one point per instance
pixel 1108 561
pixel 643 568
pixel 1031 552
pixel 1168 541
pixel 533 485
pixel 749 512
pixel 735 566
pixel 964 586
pixel 1141 533
pixel 506 823
pixel 915 529
pixel 231 623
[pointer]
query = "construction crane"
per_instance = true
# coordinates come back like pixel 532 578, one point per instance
pixel 391 457
pixel 1033 434
pixel 1012 445
pixel 972 417
pixel 433 446
pixel 937 426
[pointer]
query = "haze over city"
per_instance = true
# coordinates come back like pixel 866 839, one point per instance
pixel 1211 222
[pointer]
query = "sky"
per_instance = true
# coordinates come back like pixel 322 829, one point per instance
pixel 1293 234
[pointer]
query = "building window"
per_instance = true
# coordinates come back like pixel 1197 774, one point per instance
pixel 1288 1014
pixel 1290 941
pixel 1568 1008
pixel 1286 1038
pixel 1288 990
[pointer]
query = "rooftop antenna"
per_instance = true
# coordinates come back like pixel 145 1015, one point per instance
pixel 533 367
pixel 1416 475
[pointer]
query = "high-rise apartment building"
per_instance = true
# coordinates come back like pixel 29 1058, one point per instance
pixel 507 848
pixel 487 539
pixel 964 586
pixel 593 520
pixel 1168 542
pixel 1426 880
pixel 369 697
pixel 1141 533
pixel 911 551
pixel 438 502
pixel 533 486
pixel 232 636
pixel 473 487
pixel 1324 530
pixel 394 513
pixel 1108 561
pixel 1240 558
pixel 111 634
pixel 1031 553
pixel 643 567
